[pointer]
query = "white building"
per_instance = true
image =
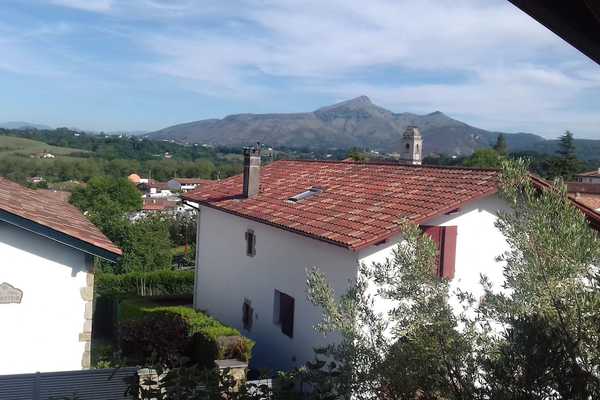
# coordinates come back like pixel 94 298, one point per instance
pixel 186 184
pixel 589 177
pixel 259 233
pixel 46 281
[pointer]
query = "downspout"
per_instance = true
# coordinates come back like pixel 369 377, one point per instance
pixel 196 274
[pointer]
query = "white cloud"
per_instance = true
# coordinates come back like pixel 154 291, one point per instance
pixel 85 5
pixel 495 65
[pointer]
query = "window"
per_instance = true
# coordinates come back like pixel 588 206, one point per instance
pixel 247 315
pixel 250 243
pixel 444 238
pixel 307 194
pixel 283 313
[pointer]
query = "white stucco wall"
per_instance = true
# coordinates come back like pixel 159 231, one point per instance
pixel 226 276
pixel 478 243
pixel 42 333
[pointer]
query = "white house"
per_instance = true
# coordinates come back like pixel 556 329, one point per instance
pixel 259 232
pixel 589 177
pixel 46 281
pixel 186 184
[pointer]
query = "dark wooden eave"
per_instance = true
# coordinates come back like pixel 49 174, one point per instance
pixel 575 21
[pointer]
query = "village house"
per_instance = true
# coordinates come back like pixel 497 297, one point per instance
pixel 47 248
pixel 589 177
pixel 259 232
pixel 186 184
pixel 154 188
pixel 586 193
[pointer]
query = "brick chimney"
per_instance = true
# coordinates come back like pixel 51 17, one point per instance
pixel 251 171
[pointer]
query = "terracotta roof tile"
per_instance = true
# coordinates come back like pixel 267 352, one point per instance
pixel 52 212
pixel 361 203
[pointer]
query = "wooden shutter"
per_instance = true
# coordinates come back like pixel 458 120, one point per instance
pixel 449 251
pixel 286 312
pixel 247 314
pixel 444 238
pixel 250 243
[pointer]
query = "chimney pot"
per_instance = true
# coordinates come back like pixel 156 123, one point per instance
pixel 251 170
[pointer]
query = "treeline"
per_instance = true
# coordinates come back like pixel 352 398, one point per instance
pixel 564 163
pixel 114 156
pixel 113 146
pixel 18 168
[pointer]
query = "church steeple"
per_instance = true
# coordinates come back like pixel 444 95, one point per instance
pixel 412 146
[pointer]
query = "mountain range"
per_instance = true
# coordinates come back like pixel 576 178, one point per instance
pixel 22 125
pixel 352 123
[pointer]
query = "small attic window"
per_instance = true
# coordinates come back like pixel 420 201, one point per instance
pixel 307 194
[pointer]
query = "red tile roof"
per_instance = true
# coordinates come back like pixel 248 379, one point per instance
pixel 151 204
pixel 579 187
pixel 361 203
pixel 594 173
pixel 52 212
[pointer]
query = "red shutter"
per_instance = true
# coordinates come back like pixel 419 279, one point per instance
pixel 449 252
pixel 435 233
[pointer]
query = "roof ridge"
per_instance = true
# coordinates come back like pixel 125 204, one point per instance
pixel 392 164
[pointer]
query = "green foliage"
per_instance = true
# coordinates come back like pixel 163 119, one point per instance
pixel 551 297
pixel 106 198
pixel 501 147
pixel 484 158
pixel 146 245
pixel 157 283
pixel 567 164
pixel 357 155
pixel 206 339
pixel 414 350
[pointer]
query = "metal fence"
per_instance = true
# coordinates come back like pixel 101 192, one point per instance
pixel 93 384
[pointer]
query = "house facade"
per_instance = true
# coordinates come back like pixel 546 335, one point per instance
pixel 186 184
pixel 589 177
pixel 260 232
pixel 47 249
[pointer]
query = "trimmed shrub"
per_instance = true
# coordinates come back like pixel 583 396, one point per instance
pixel 156 283
pixel 206 339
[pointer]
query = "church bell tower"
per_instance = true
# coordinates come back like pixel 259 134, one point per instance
pixel 412 146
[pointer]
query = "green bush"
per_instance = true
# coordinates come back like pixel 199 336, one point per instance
pixel 156 283
pixel 207 338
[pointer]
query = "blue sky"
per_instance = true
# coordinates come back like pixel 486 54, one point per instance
pixel 146 64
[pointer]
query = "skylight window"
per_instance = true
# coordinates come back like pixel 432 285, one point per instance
pixel 306 195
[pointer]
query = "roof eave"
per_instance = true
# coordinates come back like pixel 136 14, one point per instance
pixel 60 237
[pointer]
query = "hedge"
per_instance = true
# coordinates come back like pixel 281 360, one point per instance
pixel 155 283
pixel 206 339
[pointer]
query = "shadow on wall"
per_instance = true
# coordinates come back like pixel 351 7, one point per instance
pixel 43 247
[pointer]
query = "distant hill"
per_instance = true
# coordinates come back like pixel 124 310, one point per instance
pixel 10 145
pixel 22 125
pixel 352 123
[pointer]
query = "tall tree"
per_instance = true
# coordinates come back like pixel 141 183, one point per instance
pixel 567 164
pixel 501 146
pixel 550 302
pixel 483 158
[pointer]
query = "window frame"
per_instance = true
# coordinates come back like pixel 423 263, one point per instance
pixel 250 237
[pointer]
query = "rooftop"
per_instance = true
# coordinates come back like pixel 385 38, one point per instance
pixel 357 204
pixel 47 214
pixel 593 173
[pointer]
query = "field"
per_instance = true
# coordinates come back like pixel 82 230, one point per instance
pixel 10 145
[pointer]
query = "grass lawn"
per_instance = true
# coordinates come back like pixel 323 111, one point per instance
pixel 10 145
